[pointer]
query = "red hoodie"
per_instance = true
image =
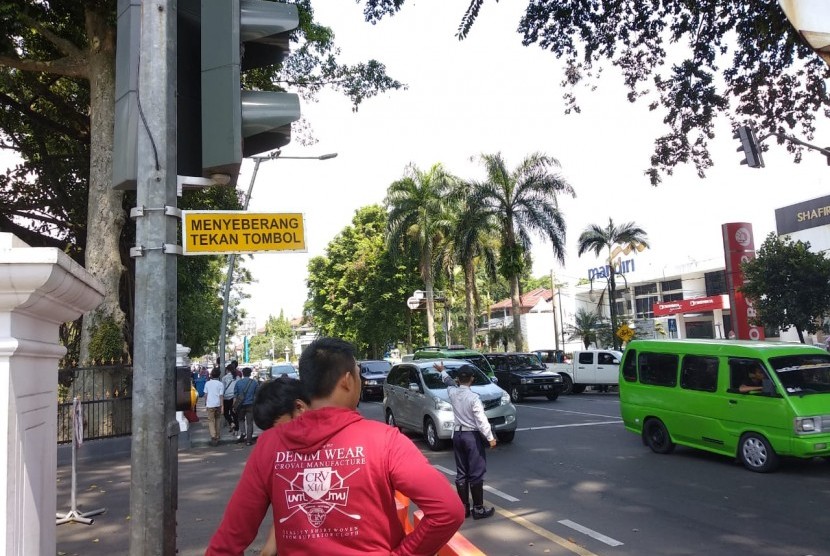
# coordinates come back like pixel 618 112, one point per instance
pixel 331 476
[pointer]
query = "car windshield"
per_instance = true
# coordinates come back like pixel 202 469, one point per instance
pixel 477 360
pixel 375 367
pixel 432 378
pixel 523 362
pixel 803 374
pixel 279 370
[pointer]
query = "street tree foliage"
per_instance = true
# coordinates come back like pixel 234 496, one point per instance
pixel 358 292
pixel 597 240
pixel 278 337
pixel 788 285
pixel 57 92
pixel 691 61
pixel 521 202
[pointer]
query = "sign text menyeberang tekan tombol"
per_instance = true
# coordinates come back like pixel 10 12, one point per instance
pixel 210 232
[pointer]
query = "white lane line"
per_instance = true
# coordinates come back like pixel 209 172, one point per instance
pixel 566 411
pixel 571 425
pixel 497 492
pixel 489 489
pixel 591 533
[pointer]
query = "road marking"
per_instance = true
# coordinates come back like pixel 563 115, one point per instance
pixel 571 425
pixel 591 533
pixel 561 541
pixel 489 489
pixel 566 411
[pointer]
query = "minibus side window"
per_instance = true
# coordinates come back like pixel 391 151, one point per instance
pixel 749 373
pixel 699 373
pixel 629 369
pixel 659 369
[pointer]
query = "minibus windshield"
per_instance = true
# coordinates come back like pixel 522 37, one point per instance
pixel 803 374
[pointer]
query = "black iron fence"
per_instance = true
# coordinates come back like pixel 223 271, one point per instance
pixel 105 393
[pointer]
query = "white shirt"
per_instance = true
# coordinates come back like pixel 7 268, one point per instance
pixel 467 408
pixel 213 393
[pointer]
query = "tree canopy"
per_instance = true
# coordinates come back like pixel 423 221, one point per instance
pixel 691 61
pixel 788 285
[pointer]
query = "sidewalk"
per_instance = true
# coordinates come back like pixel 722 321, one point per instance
pixel 206 478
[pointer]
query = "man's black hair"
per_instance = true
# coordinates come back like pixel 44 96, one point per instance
pixel 322 364
pixel 276 398
pixel 247 371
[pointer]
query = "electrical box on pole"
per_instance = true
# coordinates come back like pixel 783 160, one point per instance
pixel 236 36
pixel 750 146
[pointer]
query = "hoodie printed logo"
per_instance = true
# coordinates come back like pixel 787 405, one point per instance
pixel 311 492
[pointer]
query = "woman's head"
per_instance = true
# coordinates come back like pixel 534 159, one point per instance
pixel 277 401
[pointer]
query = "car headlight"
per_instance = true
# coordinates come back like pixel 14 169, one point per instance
pixel 526 381
pixel 371 382
pixel 505 398
pixel 808 424
pixel 441 405
pixel 557 378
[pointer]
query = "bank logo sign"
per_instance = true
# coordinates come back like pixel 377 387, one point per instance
pixel 220 232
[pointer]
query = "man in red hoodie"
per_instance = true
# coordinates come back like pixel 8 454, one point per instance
pixel 331 476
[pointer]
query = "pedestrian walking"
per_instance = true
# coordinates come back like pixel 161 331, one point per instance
pixel 245 393
pixel 213 404
pixel 331 476
pixel 470 431
pixel 229 382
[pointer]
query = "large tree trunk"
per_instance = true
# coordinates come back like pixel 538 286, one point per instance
pixel 106 216
pixel 518 338
pixel 426 271
pixel 469 299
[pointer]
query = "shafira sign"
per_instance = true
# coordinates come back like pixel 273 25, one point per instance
pixel 739 247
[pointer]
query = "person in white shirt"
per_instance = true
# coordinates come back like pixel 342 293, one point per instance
pixel 470 431
pixel 214 392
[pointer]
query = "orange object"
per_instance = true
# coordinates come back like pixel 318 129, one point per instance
pixel 458 544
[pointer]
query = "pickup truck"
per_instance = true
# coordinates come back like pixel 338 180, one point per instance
pixel 593 367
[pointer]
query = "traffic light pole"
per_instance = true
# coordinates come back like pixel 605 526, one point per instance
pixel 154 469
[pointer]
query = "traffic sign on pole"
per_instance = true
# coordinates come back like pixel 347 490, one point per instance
pixel 212 232
pixel 413 303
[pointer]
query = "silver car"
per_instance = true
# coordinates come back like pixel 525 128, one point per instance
pixel 415 398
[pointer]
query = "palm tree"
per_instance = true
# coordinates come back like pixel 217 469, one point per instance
pixel 596 239
pixel 521 202
pixel 417 221
pixel 585 327
pixel 472 242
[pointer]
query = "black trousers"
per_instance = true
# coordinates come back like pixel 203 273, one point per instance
pixel 470 457
pixel 229 413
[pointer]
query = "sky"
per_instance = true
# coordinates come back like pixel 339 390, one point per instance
pixel 490 94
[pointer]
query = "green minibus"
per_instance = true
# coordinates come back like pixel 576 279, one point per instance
pixel 752 400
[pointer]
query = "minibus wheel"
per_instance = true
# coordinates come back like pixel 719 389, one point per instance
pixel 657 437
pixel 756 453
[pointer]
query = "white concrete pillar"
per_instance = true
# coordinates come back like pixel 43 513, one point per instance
pixel 40 288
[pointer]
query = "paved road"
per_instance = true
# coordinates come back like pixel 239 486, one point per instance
pixel 573 482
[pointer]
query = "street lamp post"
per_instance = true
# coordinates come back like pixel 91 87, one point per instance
pixel 223 327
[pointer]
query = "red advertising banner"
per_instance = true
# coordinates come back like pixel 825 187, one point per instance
pixel 689 305
pixel 738 247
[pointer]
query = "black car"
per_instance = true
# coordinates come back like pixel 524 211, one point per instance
pixel 523 375
pixel 372 376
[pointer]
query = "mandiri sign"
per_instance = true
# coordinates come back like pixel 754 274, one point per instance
pixel 220 232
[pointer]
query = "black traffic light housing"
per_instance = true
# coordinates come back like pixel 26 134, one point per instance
pixel 218 124
pixel 750 146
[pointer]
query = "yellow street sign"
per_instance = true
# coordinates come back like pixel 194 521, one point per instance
pixel 219 232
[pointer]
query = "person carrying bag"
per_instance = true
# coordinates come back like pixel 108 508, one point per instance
pixel 243 403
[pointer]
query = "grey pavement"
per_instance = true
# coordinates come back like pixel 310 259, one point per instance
pixel 206 478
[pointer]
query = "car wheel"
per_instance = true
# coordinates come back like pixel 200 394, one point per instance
pixel 515 394
pixel 390 419
pixel 657 437
pixel 553 397
pixel 577 389
pixel 756 453
pixel 506 436
pixel 431 436
pixel 567 383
